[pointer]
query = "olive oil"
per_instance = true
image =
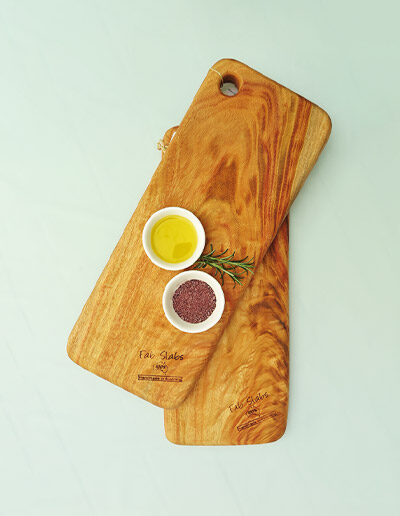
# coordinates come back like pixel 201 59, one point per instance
pixel 174 239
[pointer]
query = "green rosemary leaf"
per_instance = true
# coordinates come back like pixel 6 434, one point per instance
pixel 226 264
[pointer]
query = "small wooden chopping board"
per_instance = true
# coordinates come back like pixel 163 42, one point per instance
pixel 252 357
pixel 237 163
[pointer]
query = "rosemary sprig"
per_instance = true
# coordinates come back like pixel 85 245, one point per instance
pixel 226 264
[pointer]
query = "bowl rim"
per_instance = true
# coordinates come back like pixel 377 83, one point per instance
pixel 146 236
pixel 169 311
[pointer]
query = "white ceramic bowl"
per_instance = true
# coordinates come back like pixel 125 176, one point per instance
pixel 146 238
pixel 174 318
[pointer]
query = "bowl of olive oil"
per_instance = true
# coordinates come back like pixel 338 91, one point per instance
pixel 173 238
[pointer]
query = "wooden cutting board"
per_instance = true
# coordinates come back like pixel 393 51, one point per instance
pixel 242 395
pixel 237 163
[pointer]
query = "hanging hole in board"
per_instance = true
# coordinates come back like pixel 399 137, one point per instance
pixel 229 86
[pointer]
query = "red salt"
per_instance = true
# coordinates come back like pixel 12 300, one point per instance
pixel 194 301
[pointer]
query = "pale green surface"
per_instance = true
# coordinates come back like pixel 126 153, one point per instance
pixel 87 88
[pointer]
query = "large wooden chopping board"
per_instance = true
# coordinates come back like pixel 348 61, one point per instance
pixel 242 395
pixel 237 163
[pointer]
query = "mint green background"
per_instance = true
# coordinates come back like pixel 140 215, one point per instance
pixel 86 90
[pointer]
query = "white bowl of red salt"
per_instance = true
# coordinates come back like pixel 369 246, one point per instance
pixel 193 301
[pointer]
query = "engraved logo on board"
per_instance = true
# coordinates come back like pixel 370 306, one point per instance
pixel 251 407
pixel 161 367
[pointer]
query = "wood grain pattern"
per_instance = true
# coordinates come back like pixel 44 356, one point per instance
pixel 242 395
pixel 237 163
